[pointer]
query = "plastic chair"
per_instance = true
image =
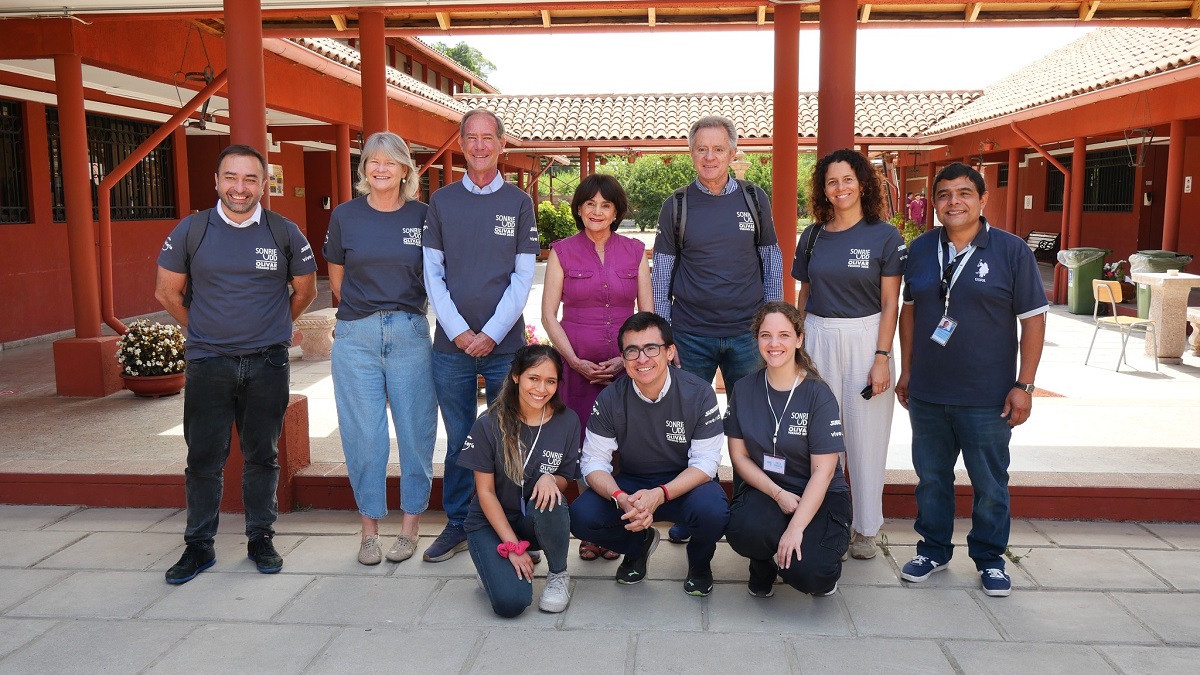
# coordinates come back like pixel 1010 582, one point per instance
pixel 1110 292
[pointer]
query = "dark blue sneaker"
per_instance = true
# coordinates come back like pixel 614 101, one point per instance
pixel 919 568
pixel 678 534
pixel 995 582
pixel 196 558
pixel 452 540
pixel 266 559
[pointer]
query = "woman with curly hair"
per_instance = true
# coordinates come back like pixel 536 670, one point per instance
pixel 849 263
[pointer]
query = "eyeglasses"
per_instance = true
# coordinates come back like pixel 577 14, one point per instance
pixel 948 274
pixel 634 352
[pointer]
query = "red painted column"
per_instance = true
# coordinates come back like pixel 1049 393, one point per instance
pixel 521 178
pixel 929 195
pixel 247 90
pixel 1014 193
pixel 447 168
pixel 1173 194
pixel 835 121
pixel 345 173
pixel 372 45
pixel 585 163
pixel 1078 174
pixel 786 124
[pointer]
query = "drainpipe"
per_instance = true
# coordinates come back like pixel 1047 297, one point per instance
pixel 104 196
pixel 1060 272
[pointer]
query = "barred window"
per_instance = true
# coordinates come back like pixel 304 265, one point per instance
pixel 1108 183
pixel 14 198
pixel 147 192
pixel 1002 175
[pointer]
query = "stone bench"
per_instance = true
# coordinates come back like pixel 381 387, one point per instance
pixel 1193 317
pixel 316 329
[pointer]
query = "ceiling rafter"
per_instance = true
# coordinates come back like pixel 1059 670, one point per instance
pixel 972 13
pixel 864 14
pixel 1088 9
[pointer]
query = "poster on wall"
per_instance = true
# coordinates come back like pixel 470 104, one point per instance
pixel 275 181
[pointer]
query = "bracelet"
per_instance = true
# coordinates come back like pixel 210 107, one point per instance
pixel 777 493
pixel 881 352
pixel 666 495
pixel 506 547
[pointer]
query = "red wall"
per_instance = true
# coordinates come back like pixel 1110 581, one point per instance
pixel 320 184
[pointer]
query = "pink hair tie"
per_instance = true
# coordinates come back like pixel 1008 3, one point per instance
pixel 506 547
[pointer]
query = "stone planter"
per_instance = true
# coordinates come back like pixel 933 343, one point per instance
pixel 154 386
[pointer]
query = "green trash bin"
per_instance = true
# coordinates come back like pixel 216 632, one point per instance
pixel 1083 265
pixel 1154 260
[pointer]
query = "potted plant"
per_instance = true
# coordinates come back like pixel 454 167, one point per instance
pixel 152 362
pixel 1119 271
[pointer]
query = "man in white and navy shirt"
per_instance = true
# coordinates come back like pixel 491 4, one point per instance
pixel 667 427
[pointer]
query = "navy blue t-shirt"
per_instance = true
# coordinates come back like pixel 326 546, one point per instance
pixel 381 251
pixel 846 271
pixel 999 286
pixel 240 301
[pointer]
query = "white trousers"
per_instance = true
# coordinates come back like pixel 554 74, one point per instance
pixel 844 351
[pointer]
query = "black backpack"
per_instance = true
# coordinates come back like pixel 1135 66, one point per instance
pixel 195 235
pixel 751 197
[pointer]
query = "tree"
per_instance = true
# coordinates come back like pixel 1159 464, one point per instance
pixel 468 57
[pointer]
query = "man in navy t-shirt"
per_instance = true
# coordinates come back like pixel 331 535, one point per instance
pixel 239 326
pixel 966 377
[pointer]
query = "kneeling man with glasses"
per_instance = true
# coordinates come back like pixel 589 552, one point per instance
pixel 665 424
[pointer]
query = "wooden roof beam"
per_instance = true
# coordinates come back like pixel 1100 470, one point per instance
pixel 650 18
pixel 761 14
pixel 864 15
pixel 972 14
pixel 1195 13
pixel 1088 9
pixel 443 19
pixel 339 21
pixel 545 18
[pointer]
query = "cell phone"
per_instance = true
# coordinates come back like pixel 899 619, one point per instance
pixel 867 392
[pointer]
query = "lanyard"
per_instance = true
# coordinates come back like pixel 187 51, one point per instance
pixel 961 259
pixel 779 419
pixel 529 456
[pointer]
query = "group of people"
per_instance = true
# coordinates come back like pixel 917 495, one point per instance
pixel 623 400
pixel 915 207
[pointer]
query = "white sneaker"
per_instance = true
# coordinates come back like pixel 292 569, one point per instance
pixel 557 594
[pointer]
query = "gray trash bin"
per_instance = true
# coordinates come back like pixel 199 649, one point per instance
pixel 1083 265
pixel 1154 260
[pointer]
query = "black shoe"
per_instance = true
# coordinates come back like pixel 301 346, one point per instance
pixel 263 553
pixel 195 559
pixel 633 570
pixel 453 539
pixel 679 534
pixel 762 578
pixel 699 581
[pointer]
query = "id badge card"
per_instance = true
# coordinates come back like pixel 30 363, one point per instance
pixel 773 464
pixel 944 330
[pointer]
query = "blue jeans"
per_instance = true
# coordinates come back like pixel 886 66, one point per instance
pixel 704 510
pixel 380 361
pixel 454 380
pixel 736 356
pixel 548 531
pixel 250 391
pixel 940 432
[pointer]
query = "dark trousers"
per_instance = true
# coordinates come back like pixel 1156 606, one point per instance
pixel 756 525
pixel 547 531
pixel 250 391
pixel 705 510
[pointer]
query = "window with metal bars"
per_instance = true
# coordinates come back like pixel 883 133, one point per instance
pixel 1108 183
pixel 14 197
pixel 1002 175
pixel 145 193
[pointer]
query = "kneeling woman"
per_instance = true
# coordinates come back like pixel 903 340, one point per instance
pixel 791 517
pixel 523 451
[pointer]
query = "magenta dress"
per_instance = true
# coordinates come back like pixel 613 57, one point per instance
pixel 596 298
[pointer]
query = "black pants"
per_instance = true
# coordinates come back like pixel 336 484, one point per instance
pixel 756 525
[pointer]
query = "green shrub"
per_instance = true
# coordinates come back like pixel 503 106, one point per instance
pixel 554 223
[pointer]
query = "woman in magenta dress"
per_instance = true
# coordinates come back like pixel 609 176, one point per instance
pixel 596 275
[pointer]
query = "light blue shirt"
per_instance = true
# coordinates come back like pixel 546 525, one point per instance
pixel 488 189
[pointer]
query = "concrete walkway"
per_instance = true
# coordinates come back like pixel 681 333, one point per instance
pixel 82 591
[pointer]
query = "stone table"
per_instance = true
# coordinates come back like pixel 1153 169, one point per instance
pixel 1168 310
pixel 317 331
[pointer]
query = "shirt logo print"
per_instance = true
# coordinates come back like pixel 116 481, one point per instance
pixel 798 425
pixel 745 221
pixel 676 432
pixel 981 271
pixel 860 258
pixel 412 236
pixel 506 226
pixel 167 245
pixel 268 259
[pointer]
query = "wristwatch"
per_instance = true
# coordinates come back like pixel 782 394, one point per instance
pixel 1027 388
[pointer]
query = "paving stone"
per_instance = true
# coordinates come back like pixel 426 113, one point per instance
pixel 877 571
pixel 1103 569
pixel 460 566
pixel 669 562
pixel 961 573
pixel 95 595
pixel 227 523
pixel 1066 616
pixel 658 605
pixel 900 532
pixel 1181 535
pixel 1096 535
pixel 331 555
pixel 1152 660
pixel 319 522
pixel 24 548
pixel 31 517
pixel 689 653
pixel 229 597
pixel 354 601
pixel 90 646
pixel 1180 568
pixel 907 612
pixel 231 554
pixel 1174 616
pixel 461 602
pixel 365 650
pixel 504 649
pixel 16 585
pixel 1004 658
pixel 732 610
pixel 245 648
pixel 111 520
pixel 16 632
pixel 896 657
pixel 112 550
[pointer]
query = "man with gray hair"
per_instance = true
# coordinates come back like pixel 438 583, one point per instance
pixel 716 260
pixel 480 243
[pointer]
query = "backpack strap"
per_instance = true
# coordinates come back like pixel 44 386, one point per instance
pixel 277 225
pixel 751 196
pixel 812 240
pixel 680 213
pixel 195 235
